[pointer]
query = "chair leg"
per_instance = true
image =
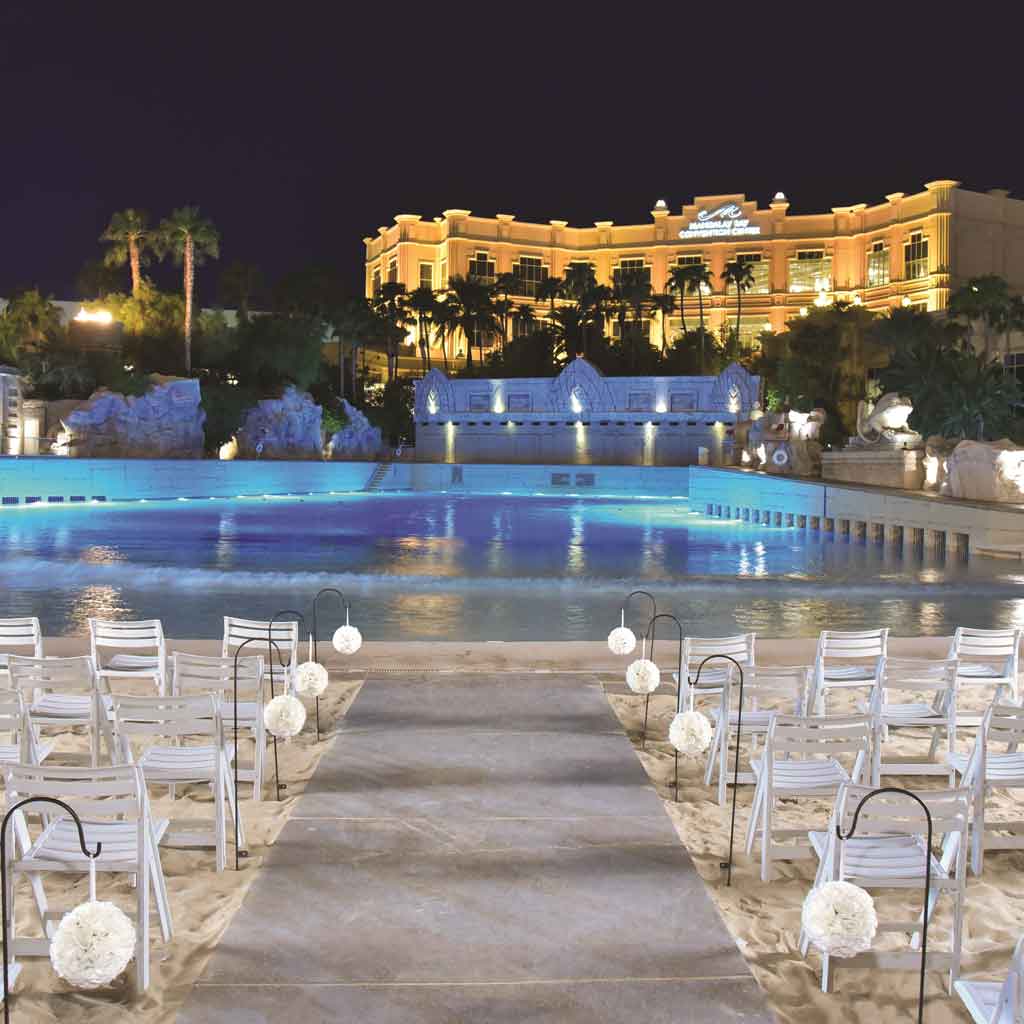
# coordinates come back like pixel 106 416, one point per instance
pixel 766 839
pixel 755 814
pixel 142 922
pixel 259 758
pixel 159 883
pixel 709 768
pixel 229 791
pixel 978 837
pixel 219 828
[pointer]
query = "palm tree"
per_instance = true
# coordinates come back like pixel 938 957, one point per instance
pixel 129 236
pixel 549 289
pixel 355 325
pixel 503 310
pixel 446 323
pixel 632 294
pixel 678 279
pixel 238 283
pixel 190 238
pixel 740 274
pixel 473 298
pixel 526 317
pixel 390 306
pixel 664 303
pixel 422 304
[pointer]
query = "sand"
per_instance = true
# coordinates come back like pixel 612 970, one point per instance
pixel 764 918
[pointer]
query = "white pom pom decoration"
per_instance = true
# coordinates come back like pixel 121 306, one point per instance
pixel 93 944
pixel 690 733
pixel 622 640
pixel 311 678
pixel 347 639
pixel 284 716
pixel 840 919
pixel 643 676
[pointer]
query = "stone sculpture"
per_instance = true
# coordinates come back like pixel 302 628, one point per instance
pixel 164 423
pixel 987 471
pixel 288 427
pixel 358 439
pixel 884 424
pixel 785 442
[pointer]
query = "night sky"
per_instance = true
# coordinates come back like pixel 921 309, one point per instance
pixel 299 128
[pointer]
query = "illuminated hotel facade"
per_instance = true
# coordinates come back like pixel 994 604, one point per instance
pixel 910 250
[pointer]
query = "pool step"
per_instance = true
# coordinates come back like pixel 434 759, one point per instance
pixel 377 477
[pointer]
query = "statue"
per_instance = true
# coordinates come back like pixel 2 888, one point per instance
pixel 783 443
pixel 884 424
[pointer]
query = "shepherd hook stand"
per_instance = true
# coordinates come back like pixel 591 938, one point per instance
pixel 3 877
pixel 316 657
pixel 654 615
pixel 280 658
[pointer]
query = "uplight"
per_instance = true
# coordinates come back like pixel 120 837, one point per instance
pixel 98 316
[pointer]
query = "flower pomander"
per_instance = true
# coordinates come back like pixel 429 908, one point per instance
pixel 622 640
pixel 347 639
pixel 284 716
pixel 643 676
pixel 311 678
pixel 839 918
pixel 690 733
pixel 93 944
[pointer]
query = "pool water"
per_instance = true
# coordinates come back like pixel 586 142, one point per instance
pixel 475 567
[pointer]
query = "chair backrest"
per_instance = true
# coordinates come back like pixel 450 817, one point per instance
pixel 198 674
pixel 12 718
pixel 1010 1005
pixel 987 645
pixel 821 737
pixel 697 648
pixel 893 813
pixel 165 717
pixel 782 687
pixel 1003 723
pixel 284 633
pixel 22 633
pixel 56 675
pixel 917 675
pixel 143 634
pixel 865 645
pixel 94 793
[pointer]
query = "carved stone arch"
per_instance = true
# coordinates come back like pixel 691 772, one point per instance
pixel 584 381
pixel 734 390
pixel 434 395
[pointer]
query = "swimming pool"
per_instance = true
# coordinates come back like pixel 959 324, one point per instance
pixel 474 567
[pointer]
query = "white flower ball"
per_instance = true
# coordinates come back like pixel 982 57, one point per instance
pixel 347 639
pixel 93 944
pixel 643 676
pixel 284 716
pixel 840 919
pixel 690 733
pixel 622 640
pixel 311 678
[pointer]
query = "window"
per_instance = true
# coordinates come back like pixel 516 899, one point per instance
pixel 427 275
pixel 529 272
pixel 631 265
pixel 376 281
pixel 1014 363
pixel 810 270
pixel 915 256
pixel 481 266
pixel 631 327
pixel 759 266
pixel 392 270
pixel 878 264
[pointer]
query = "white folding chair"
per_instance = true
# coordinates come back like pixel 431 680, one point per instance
pixel 888 852
pixel 715 673
pixel 181 719
pixel 985 770
pixel 22 634
pixel 280 642
pixel 114 810
pixel 845 660
pixel 23 747
pixel 932 685
pixel 62 693
pixel 801 761
pixel 194 674
pixel 986 658
pixel 996 1002
pixel 767 691
pixel 128 638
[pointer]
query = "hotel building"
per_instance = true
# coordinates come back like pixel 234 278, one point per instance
pixel 910 250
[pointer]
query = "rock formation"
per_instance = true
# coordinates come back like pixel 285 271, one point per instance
pixel 282 428
pixel 164 423
pixel 358 439
pixel 987 471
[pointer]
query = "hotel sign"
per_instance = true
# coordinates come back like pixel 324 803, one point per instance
pixel 725 221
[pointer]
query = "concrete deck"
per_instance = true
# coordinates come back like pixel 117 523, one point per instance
pixel 478 848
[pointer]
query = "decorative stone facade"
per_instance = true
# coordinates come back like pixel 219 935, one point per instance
pixel 358 439
pixel 288 427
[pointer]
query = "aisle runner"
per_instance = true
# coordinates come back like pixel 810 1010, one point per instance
pixel 478 849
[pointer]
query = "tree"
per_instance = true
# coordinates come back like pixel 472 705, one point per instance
pixel 664 303
pixel 983 300
pixel 691 279
pixel 740 275
pixel 505 286
pixel 422 304
pixel 354 324
pixel 28 321
pixel 549 289
pixel 632 294
pixel 238 283
pixel 676 284
pixel 191 239
pixel 129 236
pixel 96 279
pixel 392 316
pixel 446 323
pixel 472 298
